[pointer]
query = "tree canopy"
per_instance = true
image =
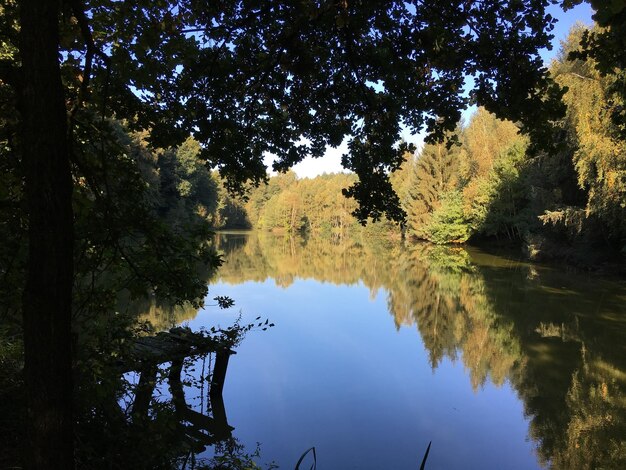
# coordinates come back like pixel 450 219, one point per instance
pixel 291 77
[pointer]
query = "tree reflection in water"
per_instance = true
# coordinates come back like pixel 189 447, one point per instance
pixel 558 338
pixel 165 416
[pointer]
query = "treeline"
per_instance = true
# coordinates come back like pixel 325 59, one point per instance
pixel 487 182
pixel 185 194
pixel 287 204
pixel 143 212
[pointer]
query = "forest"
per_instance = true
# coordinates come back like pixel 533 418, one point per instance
pixel 130 130
pixel 481 184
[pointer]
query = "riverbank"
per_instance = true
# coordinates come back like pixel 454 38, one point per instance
pixel 581 256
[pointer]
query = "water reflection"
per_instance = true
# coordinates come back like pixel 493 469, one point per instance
pixel 559 339
pixel 159 315
pixel 156 405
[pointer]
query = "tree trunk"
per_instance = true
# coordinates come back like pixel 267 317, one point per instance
pixel 48 290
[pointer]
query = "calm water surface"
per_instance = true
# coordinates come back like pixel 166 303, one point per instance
pixel 380 349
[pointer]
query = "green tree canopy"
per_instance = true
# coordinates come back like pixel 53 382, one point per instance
pixel 291 77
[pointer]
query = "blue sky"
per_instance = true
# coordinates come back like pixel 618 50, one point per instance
pixel 331 162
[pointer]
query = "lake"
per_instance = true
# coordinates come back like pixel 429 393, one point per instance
pixel 379 349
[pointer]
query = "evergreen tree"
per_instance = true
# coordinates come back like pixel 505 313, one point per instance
pixel 434 172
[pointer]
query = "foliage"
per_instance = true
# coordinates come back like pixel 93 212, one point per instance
pixel 599 152
pixel 231 455
pixel 136 79
pixel 306 205
pixel 134 236
pixel 230 212
pixel 501 205
pixel 448 223
pixel 187 188
pixel 134 228
pixel 486 141
pixel 605 45
pixel 11 396
pixel 112 428
pixel 432 173
pixel 574 195
pixel 291 78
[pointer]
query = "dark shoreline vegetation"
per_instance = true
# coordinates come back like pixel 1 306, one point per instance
pixel 129 130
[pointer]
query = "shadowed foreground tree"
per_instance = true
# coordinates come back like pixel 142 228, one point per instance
pixel 47 294
pixel 244 77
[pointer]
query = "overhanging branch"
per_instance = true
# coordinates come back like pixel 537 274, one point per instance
pixel 78 9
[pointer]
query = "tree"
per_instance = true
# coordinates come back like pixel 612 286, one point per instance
pixel 599 151
pixel 501 207
pixel 448 225
pixel 492 151
pixel 484 138
pixel 435 171
pixel 245 77
pixel 186 186
pixel 584 185
pixel 283 71
pixel 606 46
pixel 47 295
